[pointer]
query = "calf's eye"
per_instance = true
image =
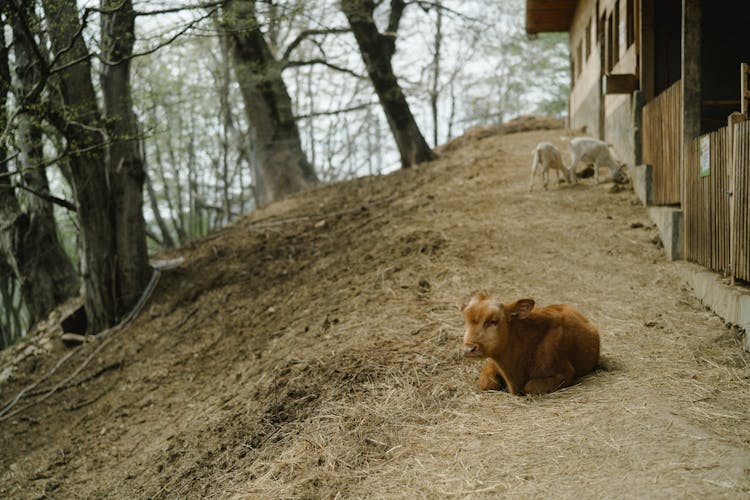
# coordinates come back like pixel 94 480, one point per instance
pixel 490 322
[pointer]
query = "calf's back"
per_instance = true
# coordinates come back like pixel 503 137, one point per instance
pixel 570 335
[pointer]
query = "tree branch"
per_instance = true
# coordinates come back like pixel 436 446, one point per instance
pixel 207 206
pixel 46 197
pixel 207 5
pixel 307 33
pixel 310 62
pixel 171 39
pixel 336 111
pixel 394 18
pixel 78 34
pixel 154 237
pixel 51 162
pixel 24 23
pixel 427 5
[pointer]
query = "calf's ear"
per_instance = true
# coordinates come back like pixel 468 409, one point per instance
pixel 522 308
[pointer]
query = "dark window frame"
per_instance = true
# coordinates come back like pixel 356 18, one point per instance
pixel 609 44
pixel 630 26
pixel 616 34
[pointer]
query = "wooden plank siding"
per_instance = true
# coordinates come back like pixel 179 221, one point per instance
pixel 740 237
pixel 707 203
pixel 662 147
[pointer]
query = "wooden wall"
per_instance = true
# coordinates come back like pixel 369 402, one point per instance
pixel 585 93
pixel 662 144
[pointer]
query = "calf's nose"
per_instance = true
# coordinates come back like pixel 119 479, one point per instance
pixel 469 349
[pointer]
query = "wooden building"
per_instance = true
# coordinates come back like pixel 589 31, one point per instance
pixel 662 81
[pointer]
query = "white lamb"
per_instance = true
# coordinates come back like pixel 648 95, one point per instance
pixel 547 156
pixel 595 152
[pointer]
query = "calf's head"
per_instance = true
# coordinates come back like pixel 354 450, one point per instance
pixel 487 321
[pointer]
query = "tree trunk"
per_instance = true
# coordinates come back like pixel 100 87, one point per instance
pixel 8 208
pixel 281 167
pixel 175 219
pixel 29 241
pixel 114 263
pixel 11 324
pixel 166 238
pixel 223 85
pixel 182 216
pixel 125 164
pixel 435 90
pixel 377 49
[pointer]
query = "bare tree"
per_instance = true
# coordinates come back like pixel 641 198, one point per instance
pixel 377 50
pixel 435 87
pixel 166 239
pixel 107 180
pixel 29 242
pixel 125 164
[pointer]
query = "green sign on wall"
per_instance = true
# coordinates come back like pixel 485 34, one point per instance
pixel 705 156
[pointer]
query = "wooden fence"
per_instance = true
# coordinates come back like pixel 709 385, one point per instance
pixel 662 144
pixel 716 201
pixel 740 238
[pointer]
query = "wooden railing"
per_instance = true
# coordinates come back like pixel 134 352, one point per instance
pixel 717 200
pixel 662 144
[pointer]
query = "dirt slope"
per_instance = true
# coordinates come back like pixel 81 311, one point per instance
pixel 312 350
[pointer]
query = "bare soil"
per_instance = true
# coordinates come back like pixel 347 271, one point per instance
pixel 312 350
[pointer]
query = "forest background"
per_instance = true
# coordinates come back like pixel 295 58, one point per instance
pixel 193 134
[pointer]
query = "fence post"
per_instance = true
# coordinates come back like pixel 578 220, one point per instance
pixel 744 90
pixel 638 103
pixel 733 120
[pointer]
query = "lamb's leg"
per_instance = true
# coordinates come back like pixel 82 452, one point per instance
pixel 534 166
pixel 596 173
pixel 572 169
pixel 571 173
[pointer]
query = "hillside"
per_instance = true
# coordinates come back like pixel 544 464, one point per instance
pixel 312 350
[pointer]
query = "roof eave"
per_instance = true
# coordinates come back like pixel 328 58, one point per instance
pixel 549 16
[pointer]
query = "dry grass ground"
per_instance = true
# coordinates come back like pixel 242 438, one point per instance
pixel 312 350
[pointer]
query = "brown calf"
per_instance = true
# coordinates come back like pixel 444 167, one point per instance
pixel 531 351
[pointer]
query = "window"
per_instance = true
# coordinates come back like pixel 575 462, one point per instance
pixel 617 34
pixel 610 44
pixel 630 22
pixel 588 39
pixel 572 70
pixel 579 64
pixel 613 37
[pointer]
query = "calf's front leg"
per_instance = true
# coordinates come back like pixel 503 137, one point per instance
pixel 490 378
